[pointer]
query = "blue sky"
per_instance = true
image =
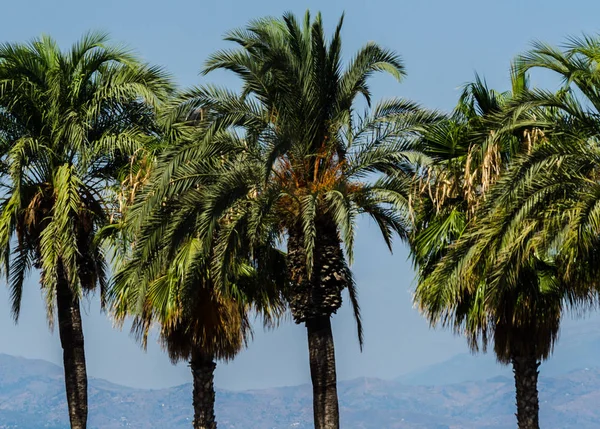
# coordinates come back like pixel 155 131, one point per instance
pixel 443 43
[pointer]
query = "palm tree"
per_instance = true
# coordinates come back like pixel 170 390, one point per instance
pixel 296 164
pixel 547 201
pixel 457 248
pixel 70 121
pixel 165 277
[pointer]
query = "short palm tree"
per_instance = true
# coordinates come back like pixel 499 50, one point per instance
pixel 165 277
pixel 70 122
pixel 457 249
pixel 298 165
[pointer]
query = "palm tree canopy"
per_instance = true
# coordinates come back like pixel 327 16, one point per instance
pixel 464 155
pixel 459 240
pixel 71 121
pixel 547 201
pixel 555 187
pixel 294 157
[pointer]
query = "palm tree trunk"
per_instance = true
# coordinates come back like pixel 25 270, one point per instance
pixel 203 369
pixel 71 339
pixel 526 372
pixel 323 373
pixel 314 298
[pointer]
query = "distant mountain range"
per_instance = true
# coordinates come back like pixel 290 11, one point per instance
pixel 32 397
pixel 578 348
pixel 466 392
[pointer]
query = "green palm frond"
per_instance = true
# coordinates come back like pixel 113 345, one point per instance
pixel 71 121
pixel 486 267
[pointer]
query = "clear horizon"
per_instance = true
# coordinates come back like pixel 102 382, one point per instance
pixel 442 44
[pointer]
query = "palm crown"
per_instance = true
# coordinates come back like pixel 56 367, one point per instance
pixel 454 246
pixel 73 120
pixel 550 195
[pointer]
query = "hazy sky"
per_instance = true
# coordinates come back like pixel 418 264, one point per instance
pixel 442 43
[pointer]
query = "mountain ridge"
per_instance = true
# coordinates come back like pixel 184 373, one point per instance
pixel 32 396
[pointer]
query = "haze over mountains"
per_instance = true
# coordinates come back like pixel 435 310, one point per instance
pixel 578 348
pixel 470 392
pixel 32 397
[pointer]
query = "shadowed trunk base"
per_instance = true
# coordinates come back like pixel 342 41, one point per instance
pixel 323 373
pixel 203 369
pixel 526 373
pixel 71 339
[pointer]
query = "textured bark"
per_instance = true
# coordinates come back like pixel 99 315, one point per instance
pixel 313 299
pixel 323 373
pixel 203 369
pixel 525 369
pixel 71 339
pixel 321 293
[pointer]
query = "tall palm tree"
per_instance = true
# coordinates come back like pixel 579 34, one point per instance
pixel 457 250
pixel 70 121
pixel 297 164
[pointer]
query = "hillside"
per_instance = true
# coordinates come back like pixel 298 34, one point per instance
pixel 31 397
